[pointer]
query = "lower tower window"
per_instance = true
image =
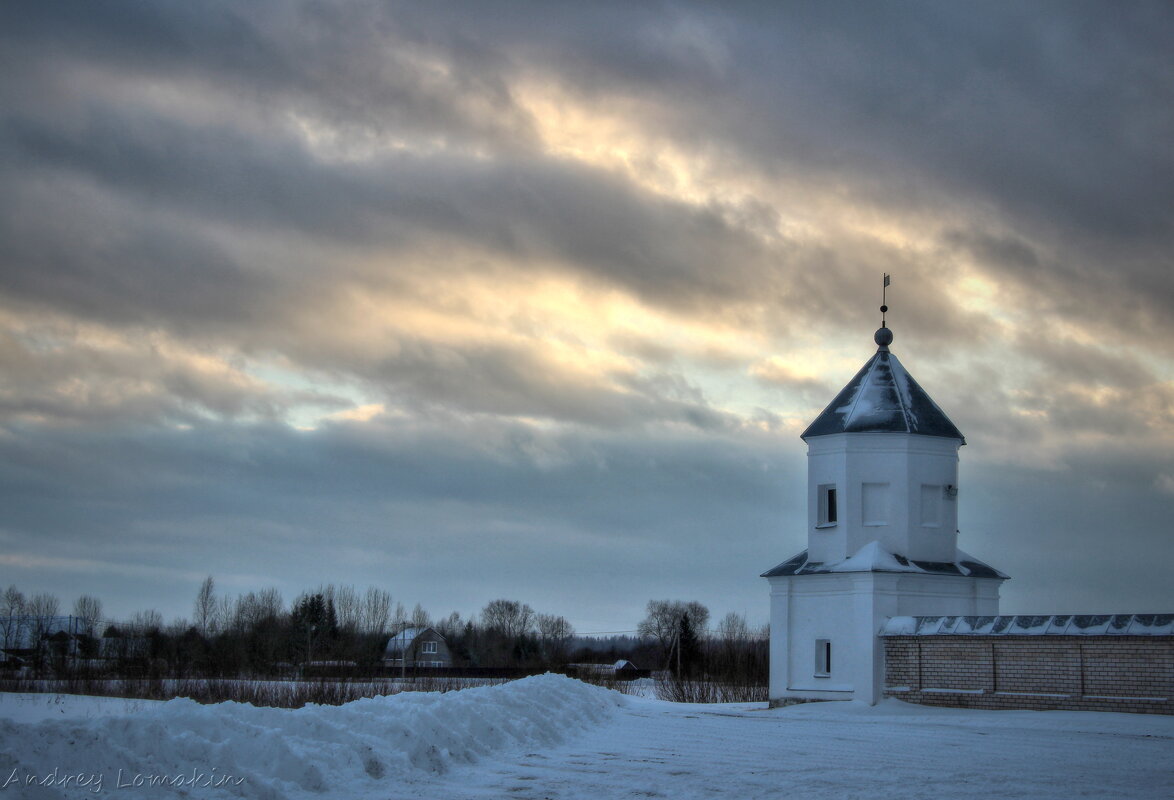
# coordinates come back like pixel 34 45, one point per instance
pixel 823 658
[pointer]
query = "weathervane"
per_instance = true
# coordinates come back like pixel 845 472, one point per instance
pixel 884 336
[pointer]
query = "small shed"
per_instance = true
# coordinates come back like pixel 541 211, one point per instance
pixel 620 670
pixel 417 647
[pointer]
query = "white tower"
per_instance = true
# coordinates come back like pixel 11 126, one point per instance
pixel 882 537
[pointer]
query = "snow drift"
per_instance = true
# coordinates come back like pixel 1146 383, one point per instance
pixel 182 749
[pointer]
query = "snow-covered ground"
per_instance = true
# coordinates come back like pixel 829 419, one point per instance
pixel 553 737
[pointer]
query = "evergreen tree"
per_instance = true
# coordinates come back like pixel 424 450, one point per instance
pixel 688 656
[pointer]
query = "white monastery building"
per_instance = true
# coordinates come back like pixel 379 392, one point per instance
pixel 882 537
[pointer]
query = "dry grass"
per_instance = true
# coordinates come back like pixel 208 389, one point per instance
pixel 685 690
pixel 273 694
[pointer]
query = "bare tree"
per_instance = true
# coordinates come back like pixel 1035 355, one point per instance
pixel 509 618
pixel 450 626
pixel 554 634
pixel 269 603
pixel 145 622
pixel 12 603
pixel 663 622
pixel 204 613
pixel 222 616
pixel 245 613
pixel 255 608
pixel 41 610
pixel 733 635
pixel 347 608
pixel 420 618
pixel 376 610
pixel 43 605
pixel 88 609
pixel 12 616
pixel 733 629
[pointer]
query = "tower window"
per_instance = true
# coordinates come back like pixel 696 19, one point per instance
pixel 828 510
pixel 823 658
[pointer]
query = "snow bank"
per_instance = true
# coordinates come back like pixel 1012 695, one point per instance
pixel 364 748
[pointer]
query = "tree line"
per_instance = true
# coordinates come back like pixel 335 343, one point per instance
pixel 256 634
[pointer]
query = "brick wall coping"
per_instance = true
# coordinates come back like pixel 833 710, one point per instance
pixel 1027 625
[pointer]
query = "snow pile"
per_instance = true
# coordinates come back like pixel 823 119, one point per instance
pixel 553 737
pixel 873 558
pixel 183 749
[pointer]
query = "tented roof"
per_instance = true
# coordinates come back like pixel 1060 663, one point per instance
pixel 883 398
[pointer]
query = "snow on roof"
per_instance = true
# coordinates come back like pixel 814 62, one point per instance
pixel 874 558
pixel 1026 625
pixel 403 639
pixel 883 398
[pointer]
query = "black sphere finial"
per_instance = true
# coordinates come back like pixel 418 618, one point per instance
pixel 884 336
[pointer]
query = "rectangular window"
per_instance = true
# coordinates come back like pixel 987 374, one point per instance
pixel 823 658
pixel 874 504
pixel 828 507
pixel 931 505
pixel 428 647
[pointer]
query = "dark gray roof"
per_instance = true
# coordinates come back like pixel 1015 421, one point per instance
pixel 883 398
pixel 1024 625
pixel 966 566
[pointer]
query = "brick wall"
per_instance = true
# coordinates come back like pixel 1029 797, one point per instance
pixel 1078 673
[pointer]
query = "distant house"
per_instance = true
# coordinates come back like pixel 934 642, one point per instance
pixel 417 647
pixel 32 640
pixel 623 669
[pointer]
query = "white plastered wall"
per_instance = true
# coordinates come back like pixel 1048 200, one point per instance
pixel 849 609
pixel 895 467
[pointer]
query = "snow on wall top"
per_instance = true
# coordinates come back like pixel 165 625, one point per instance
pixel 883 398
pixel 1025 625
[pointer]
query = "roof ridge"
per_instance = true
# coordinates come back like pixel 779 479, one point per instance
pixel 906 402
pixel 869 368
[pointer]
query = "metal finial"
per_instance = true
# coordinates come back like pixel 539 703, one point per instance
pixel 884 336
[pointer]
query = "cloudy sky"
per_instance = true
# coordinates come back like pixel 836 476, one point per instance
pixel 532 300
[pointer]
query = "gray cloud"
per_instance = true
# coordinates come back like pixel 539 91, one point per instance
pixel 418 500
pixel 232 177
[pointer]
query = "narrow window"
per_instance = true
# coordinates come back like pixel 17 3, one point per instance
pixel 823 658
pixel 429 647
pixel 828 507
